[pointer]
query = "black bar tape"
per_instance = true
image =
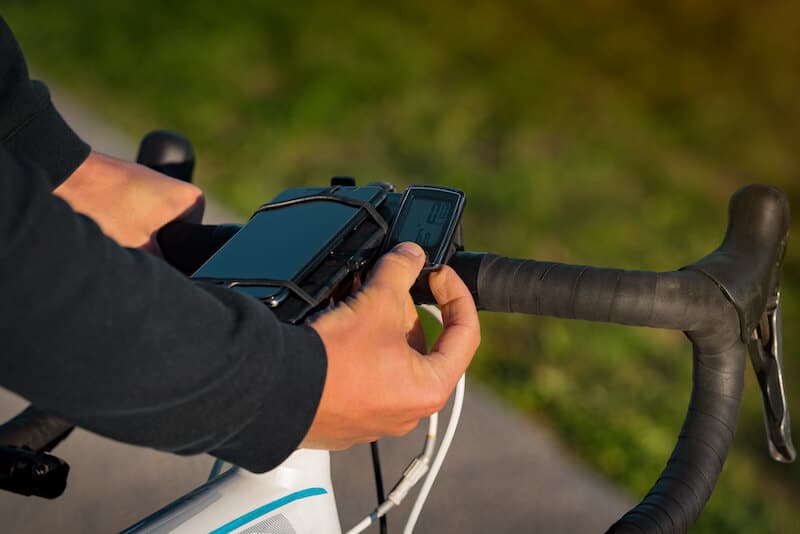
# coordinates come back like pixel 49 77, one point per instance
pixel 677 300
pixel 691 473
pixel 683 300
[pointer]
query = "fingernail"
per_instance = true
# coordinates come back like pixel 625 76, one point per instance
pixel 411 249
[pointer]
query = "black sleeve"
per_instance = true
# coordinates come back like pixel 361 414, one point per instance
pixel 117 341
pixel 30 127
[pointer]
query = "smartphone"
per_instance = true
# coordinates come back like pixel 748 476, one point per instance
pixel 285 244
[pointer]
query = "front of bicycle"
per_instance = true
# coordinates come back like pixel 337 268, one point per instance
pixel 727 304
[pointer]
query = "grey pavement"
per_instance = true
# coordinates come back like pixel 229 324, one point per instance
pixel 504 473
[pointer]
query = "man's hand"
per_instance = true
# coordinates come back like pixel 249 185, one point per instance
pixel 380 381
pixel 130 202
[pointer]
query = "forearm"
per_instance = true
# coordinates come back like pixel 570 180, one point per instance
pixel 123 345
pixel 30 127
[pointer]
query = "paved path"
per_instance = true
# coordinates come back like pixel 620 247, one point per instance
pixel 503 475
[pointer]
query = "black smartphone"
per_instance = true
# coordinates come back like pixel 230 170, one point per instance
pixel 280 246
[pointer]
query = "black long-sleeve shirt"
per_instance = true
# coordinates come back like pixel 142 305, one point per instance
pixel 117 341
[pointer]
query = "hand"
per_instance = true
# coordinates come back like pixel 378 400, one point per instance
pixel 130 202
pixel 380 381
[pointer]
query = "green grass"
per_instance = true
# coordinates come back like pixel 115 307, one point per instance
pixel 604 132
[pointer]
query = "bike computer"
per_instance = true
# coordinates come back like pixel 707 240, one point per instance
pixel 429 216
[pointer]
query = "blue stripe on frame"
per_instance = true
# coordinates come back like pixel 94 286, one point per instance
pixel 267 508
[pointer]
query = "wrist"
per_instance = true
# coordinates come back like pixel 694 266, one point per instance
pixel 129 202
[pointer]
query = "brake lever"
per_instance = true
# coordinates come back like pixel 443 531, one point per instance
pixel 766 354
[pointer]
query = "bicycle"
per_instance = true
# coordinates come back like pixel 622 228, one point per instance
pixel 727 303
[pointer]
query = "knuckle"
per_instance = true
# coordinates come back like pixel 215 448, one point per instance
pixel 404 428
pixel 441 400
pixel 408 255
pixel 476 339
pixel 435 401
pixel 191 191
pixel 395 259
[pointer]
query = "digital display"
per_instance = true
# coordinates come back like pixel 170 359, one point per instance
pixel 425 222
pixel 428 216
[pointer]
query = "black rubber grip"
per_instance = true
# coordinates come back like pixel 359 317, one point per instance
pixel 27 472
pixel 25 466
pixel 167 152
pixel 716 301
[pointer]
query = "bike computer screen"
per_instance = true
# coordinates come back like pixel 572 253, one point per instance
pixel 428 216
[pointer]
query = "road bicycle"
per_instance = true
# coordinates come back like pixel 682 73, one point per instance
pixel 728 304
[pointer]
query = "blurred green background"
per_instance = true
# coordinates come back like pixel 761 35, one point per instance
pixel 605 132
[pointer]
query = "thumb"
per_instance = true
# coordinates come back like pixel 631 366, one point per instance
pixel 397 269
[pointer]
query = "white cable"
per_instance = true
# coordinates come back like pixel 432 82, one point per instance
pixel 412 474
pixel 362 526
pixel 447 440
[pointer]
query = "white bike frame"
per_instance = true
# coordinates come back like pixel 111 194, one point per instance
pixel 294 498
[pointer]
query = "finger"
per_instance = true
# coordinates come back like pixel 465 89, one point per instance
pixel 402 429
pixel 415 336
pixel 453 350
pixel 409 313
pixel 397 269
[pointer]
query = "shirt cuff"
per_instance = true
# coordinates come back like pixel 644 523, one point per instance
pixel 294 397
